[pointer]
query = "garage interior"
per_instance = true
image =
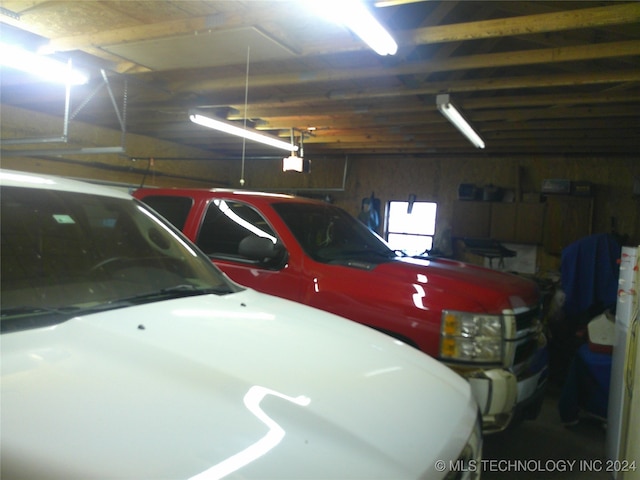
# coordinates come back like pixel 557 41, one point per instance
pixel 552 88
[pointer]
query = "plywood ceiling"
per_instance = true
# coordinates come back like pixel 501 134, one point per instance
pixel 210 49
pixel 541 77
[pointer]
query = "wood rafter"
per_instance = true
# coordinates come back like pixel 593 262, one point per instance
pixel 522 71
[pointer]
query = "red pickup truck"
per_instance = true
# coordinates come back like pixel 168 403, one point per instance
pixel 482 323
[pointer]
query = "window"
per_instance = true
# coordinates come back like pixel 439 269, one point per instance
pixel 174 209
pixel 62 252
pixel 411 232
pixel 226 224
pixel 330 235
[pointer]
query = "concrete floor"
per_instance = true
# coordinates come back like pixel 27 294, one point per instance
pixel 544 449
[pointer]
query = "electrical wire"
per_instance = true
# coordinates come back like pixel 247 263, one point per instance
pixel 246 96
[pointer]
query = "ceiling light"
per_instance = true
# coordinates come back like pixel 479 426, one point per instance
pixel 455 117
pixel 355 16
pixel 247 133
pixel 41 66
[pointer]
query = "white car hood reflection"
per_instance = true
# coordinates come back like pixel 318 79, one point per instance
pixel 276 433
pixel 236 386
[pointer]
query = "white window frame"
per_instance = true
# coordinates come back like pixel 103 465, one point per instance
pixel 410 226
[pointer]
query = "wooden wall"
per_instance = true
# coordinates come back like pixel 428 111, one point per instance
pixel 436 179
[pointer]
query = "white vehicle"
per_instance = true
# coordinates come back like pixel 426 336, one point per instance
pixel 127 354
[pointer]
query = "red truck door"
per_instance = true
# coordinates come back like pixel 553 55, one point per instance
pixel 227 225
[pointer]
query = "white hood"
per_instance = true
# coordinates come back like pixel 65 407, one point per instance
pixel 244 385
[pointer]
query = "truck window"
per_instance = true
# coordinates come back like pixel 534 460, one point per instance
pixel 225 224
pixel 174 209
pixel 329 234
pixel 64 252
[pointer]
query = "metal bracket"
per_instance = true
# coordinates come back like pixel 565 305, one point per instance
pixel 68 116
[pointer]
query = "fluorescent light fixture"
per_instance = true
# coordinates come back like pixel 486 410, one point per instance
pixel 454 116
pixel 393 3
pixel 249 134
pixel 39 65
pixel 357 18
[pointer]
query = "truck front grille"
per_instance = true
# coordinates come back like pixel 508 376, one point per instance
pixel 525 350
pixel 527 319
pixel 522 349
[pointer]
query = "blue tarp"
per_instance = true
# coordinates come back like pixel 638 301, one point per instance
pixel 590 268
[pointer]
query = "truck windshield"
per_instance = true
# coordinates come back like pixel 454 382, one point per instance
pixel 66 253
pixel 329 234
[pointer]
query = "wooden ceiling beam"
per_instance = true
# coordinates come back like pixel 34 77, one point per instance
pixel 471 62
pixel 424 143
pixel 526 25
pixel 529 81
pixel 609 128
pixel 551 144
pixel 461 86
pixel 494 102
pixel 511 115
pixel 260 106
pixel 507 115
pixel 593 124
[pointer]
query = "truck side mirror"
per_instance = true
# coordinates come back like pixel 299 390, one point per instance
pixel 262 250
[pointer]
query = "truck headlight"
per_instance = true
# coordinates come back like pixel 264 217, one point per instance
pixel 471 337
